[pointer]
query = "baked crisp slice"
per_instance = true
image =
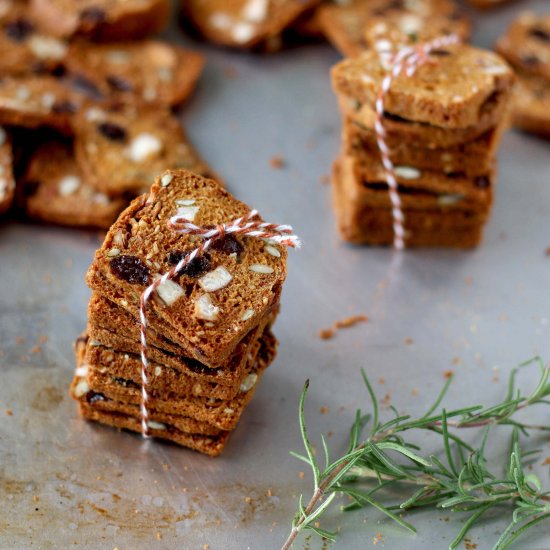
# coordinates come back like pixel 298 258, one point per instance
pixel 219 297
pixel 101 19
pixel 122 148
pixel 244 23
pixel 7 182
pixel 54 190
pixel 455 90
pixel 26 49
pixel 150 70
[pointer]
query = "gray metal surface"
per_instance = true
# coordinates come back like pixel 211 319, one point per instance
pixel 65 483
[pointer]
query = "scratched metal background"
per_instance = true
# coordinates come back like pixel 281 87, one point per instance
pixel 65 483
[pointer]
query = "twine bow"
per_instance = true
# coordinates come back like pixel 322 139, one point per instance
pixel 407 60
pixel 248 226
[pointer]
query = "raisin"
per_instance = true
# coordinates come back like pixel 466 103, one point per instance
pixel 66 106
pixel 18 29
pixel 119 84
pixel 482 182
pixel 93 397
pixel 126 383
pixel 530 60
pixel 84 85
pixel 92 15
pixel 111 131
pixel 228 245
pixel 130 269
pixel 541 34
pixel 30 188
pixel 195 268
pixel 440 53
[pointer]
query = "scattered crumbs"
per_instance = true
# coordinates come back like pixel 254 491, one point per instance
pixel 166 467
pixel 328 333
pixel 341 408
pixel 378 538
pixel 546 461
pixel 206 547
pixel 468 280
pixel 448 374
pixel 36 349
pixel 24 359
pixel 414 392
pixel 9 412
pixel 324 410
pixel 324 179
pixel 456 361
pixel 317 524
pixel 301 475
pixel 408 341
pixel 248 500
pixel 159 536
pixel 42 339
pixel 386 400
pixel 469 545
pixel 381 380
pixel 547 251
pixel 19 340
pixel 35 498
pixel 277 162
pixel 329 434
pixel 269 492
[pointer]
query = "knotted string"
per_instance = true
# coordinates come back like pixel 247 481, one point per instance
pixel 407 60
pixel 248 226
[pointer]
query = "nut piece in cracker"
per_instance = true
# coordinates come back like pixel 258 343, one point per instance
pixel 7 182
pixel 25 49
pixel 101 19
pixel 121 148
pixel 36 101
pixel 526 44
pixel 344 23
pixel 147 71
pixel 459 86
pixel 55 191
pixel 244 24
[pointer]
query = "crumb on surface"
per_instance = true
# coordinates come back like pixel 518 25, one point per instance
pixel 324 410
pixel 456 361
pixel 9 412
pixel 326 334
pixel 277 162
pixel 448 373
pixel 408 341
pixel 324 179
pixel 301 475
pixel 378 538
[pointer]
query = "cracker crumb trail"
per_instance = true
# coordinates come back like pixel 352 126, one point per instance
pixel 277 162
pixel 378 538
pixel 328 333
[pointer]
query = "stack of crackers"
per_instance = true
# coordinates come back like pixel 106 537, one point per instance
pixel 442 126
pixel 208 329
pixel 86 103
pixel 526 45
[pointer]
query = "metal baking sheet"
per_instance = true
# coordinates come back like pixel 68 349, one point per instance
pixel 66 483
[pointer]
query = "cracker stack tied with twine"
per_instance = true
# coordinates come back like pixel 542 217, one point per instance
pixel 421 128
pixel 185 288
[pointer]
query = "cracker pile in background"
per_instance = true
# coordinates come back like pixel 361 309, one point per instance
pixel 526 45
pixel 87 122
pixel 442 128
pixel 208 329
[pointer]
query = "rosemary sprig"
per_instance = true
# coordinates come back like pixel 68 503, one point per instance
pixel 460 481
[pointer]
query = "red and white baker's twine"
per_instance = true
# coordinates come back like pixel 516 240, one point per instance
pixel 407 61
pixel 247 226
